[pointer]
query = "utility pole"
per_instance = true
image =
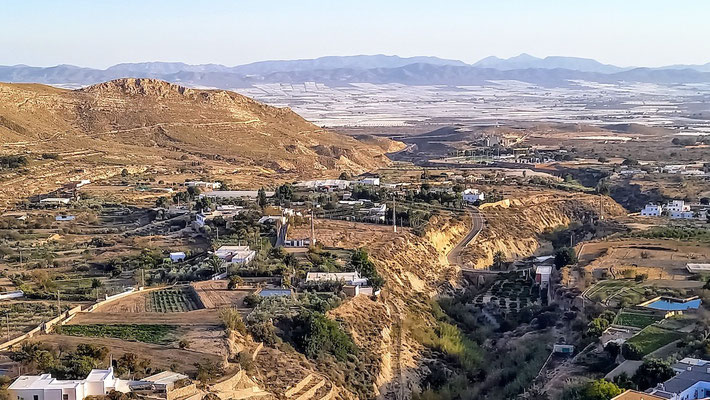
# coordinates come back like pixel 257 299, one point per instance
pixel 313 230
pixel 394 213
pixel 601 206
pixel 7 319
pixel 59 303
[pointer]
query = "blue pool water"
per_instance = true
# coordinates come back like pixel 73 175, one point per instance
pixel 671 305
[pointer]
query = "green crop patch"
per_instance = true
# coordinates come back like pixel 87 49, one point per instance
pixel 652 338
pixel 636 320
pixel 156 334
pixel 172 300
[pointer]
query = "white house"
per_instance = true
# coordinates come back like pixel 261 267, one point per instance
pixel 371 181
pixel 235 194
pixel 305 242
pixel 325 184
pixel 376 213
pixel 349 278
pixel 11 295
pixel 542 275
pixel 681 214
pixel 235 254
pixel 44 387
pixel 65 218
pixel 205 185
pixel 472 195
pixel 691 383
pixel 177 256
pixel 229 208
pixel 677 206
pixel 652 210
pixel 54 201
pixel 164 381
pixel 697 268
pixel 686 362
pixel 201 219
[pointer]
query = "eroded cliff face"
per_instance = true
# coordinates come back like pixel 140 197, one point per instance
pixel 416 269
pixel 513 226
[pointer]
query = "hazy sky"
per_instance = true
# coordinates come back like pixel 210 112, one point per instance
pixel 99 33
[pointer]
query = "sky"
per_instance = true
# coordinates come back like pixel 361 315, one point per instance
pixel 100 33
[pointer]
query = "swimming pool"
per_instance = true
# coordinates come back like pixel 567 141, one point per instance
pixel 666 304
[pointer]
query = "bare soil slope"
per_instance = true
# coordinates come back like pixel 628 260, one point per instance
pixel 146 123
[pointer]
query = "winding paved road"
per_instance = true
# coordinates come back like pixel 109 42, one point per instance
pixel 477 219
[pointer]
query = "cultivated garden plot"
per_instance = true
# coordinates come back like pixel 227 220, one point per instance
pixel 172 300
pixel 653 337
pixel 21 317
pixel 511 295
pixel 636 319
pixel 156 334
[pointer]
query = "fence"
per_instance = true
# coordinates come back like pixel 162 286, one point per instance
pixel 46 327
pixel 43 327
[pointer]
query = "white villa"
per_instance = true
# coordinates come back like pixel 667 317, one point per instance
pixel 697 268
pixel 43 387
pixel 235 254
pixel 472 195
pixel 542 275
pixel 349 278
pixel 676 209
pixel 677 205
pixel 371 181
pixel 652 210
pixel 203 184
pixel 177 256
pixel 55 201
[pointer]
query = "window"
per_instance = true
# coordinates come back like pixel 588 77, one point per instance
pixel 65 396
pixel 35 397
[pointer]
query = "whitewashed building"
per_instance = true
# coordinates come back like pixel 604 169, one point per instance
pixel 371 181
pixel 677 206
pixel 55 201
pixel 349 278
pixel 177 256
pixel 473 195
pixel 204 185
pixel 652 210
pixel 44 387
pixel 542 275
pixel 681 214
pixel 235 254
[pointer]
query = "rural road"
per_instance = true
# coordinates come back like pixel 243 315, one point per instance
pixel 477 220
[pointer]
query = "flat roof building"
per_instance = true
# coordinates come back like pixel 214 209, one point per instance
pixel 697 268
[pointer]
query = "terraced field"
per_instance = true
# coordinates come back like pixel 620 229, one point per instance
pixel 180 299
pixel 636 319
pixel 654 337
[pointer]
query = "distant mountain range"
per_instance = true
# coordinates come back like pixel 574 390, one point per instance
pixel 337 70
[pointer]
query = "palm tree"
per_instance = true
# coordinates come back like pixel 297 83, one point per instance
pixel 215 262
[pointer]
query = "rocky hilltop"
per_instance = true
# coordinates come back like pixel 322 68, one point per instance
pixel 148 123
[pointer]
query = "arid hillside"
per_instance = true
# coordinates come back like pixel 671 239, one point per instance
pixel 416 270
pixel 143 124
pixel 514 226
